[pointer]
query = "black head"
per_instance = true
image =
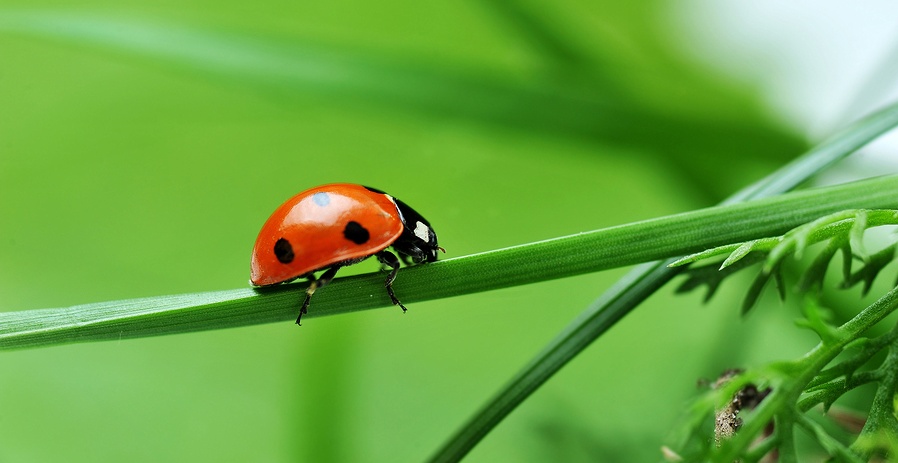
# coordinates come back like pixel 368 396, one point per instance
pixel 418 240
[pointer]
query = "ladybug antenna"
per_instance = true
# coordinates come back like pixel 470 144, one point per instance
pixel 441 249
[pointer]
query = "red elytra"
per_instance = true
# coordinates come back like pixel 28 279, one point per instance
pixel 331 226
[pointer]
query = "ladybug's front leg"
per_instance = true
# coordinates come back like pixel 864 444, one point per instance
pixel 314 284
pixel 390 259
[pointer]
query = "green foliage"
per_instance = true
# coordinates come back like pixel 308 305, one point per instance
pixel 643 281
pixel 843 231
pixel 839 364
pixel 143 143
pixel 523 264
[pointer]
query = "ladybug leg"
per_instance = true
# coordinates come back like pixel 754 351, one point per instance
pixel 390 259
pixel 314 284
pixel 406 259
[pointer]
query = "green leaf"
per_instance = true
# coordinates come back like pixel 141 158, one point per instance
pixel 798 239
pixel 780 404
pixel 882 420
pixel 862 349
pixel 529 263
pixel 640 283
pixel 873 264
pixel 745 249
pixel 817 319
pixel 841 228
pixel 857 234
pixel 832 446
pixel 706 254
pixel 712 275
pixel 758 284
pixel 815 273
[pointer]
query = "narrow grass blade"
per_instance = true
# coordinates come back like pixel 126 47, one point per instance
pixel 291 70
pixel 529 263
pixel 640 283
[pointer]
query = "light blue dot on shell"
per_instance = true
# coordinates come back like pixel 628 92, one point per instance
pixel 321 198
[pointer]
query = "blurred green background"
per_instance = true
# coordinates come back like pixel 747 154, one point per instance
pixel 142 145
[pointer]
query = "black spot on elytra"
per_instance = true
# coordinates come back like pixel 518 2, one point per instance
pixel 356 233
pixel 283 251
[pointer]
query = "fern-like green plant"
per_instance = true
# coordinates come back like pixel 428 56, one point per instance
pixel 559 81
pixel 747 219
pixel 647 278
pixel 820 377
pixel 523 264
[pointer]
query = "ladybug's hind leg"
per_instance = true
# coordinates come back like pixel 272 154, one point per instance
pixel 314 284
pixel 389 259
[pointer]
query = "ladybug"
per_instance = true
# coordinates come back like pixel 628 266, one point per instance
pixel 332 226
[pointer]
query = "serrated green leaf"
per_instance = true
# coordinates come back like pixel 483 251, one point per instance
pixel 518 265
pixel 857 234
pixel 755 290
pixel 832 446
pixel 776 256
pixel 817 319
pixel 871 268
pixel 780 283
pixel 712 276
pixel 739 253
pixel 704 275
pixel 706 254
pixel 847 261
pixel 816 272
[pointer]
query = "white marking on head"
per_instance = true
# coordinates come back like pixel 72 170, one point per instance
pixel 422 231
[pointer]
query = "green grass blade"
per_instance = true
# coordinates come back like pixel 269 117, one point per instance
pixel 831 150
pixel 292 69
pixel 537 28
pixel 530 263
pixel 644 280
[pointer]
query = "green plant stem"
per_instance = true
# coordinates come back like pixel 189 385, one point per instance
pixel 797 375
pixel 835 389
pixel 833 446
pixel 798 239
pixel 641 282
pixel 881 418
pixel 531 263
pixel 785 440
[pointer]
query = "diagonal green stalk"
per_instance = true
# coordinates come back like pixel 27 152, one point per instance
pixel 530 263
pixel 644 280
pixel 800 373
pixel 881 419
